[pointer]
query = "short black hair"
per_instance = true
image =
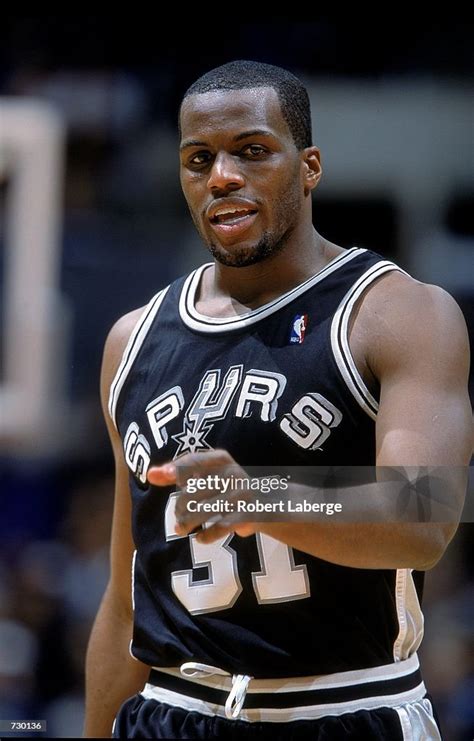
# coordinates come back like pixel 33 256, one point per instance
pixel 241 74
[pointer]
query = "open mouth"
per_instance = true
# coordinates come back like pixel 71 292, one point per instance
pixel 231 216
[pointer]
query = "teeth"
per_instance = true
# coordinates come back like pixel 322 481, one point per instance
pixel 230 213
pixel 223 212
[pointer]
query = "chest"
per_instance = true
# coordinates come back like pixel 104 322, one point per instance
pixel 257 394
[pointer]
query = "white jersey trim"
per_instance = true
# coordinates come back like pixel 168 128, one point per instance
pixel 283 715
pixel 340 337
pixel 132 586
pixel 194 320
pixel 205 675
pixel 410 616
pixel 132 575
pixel 382 673
pixel 132 348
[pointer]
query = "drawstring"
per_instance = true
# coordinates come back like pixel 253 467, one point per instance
pixel 235 700
pixel 240 683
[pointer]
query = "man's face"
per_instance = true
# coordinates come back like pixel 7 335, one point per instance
pixel 240 173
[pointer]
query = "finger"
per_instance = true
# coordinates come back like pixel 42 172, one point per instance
pixel 186 525
pixel 245 529
pixel 199 465
pixel 194 522
pixel 162 475
pixel 188 508
pixel 206 459
pixel 194 490
pixel 203 506
pixel 210 534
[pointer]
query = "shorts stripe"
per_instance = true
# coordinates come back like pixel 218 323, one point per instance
pixel 288 699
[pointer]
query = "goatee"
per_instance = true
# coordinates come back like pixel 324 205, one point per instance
pixel 241 258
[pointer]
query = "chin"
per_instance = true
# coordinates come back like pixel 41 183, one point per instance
pixel 241 256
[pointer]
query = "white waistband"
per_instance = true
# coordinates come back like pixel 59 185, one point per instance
pixel 238 685
pixel 220 679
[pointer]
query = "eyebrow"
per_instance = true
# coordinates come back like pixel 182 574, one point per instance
pixel 191 143
pixel 253 132
pixel 244 135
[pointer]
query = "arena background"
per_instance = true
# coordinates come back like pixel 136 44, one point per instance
pixel 92 223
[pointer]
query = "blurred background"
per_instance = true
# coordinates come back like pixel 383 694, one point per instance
pixel 92 224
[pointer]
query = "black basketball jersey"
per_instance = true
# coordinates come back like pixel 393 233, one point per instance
pixel 275 386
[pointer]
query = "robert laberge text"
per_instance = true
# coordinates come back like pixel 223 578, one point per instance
pixel 242 506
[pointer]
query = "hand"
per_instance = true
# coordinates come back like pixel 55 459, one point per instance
pixel 201 478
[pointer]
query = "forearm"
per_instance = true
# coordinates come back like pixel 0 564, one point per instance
pixel 400 518
pixel 382 525
pixel 365 545
pixel 112 675
pixel 379 525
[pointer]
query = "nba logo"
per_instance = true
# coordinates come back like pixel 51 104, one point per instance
pixel 300 322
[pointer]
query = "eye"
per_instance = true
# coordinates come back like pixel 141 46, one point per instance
pixel 199 159
pixel 254 151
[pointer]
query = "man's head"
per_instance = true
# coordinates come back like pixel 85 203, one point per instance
pixel 247 164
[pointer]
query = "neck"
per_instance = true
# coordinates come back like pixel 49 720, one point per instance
pixel 258 284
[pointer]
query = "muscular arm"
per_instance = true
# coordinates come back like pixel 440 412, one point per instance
pixel 112 675
pixel 416 347
pixel 414 342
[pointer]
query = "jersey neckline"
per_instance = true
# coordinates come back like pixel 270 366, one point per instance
pixel 202 323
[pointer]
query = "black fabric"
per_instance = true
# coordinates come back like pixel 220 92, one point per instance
pixel 139 718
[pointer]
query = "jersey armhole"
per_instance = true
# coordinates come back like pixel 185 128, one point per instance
pixel 131 351
pixel 340 337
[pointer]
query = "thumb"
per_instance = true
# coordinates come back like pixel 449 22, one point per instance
pixel 162 475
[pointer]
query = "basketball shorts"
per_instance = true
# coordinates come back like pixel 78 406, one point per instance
pixel 197 701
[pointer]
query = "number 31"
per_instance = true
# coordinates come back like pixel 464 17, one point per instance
pixel 279 579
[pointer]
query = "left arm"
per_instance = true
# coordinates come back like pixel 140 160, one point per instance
pixel 417 349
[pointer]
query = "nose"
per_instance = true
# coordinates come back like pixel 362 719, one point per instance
pixel 225 175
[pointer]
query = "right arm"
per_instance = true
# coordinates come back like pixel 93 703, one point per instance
pixel 112 675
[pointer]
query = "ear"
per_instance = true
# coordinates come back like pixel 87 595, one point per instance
pixel 312 170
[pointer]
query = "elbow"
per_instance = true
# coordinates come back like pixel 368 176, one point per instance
pixel 425 564
pixel 431 547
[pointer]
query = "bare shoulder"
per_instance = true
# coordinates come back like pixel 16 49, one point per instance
pixel 397 294
pixel 115 345
pixel 403 319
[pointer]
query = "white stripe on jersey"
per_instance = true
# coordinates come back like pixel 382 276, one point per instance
pixel 134 344
pixel 340 337
pixel 199 322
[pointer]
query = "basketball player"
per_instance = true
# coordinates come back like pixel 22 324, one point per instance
pixel 298 630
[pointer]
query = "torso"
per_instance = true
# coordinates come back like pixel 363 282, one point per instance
pixel 274 386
